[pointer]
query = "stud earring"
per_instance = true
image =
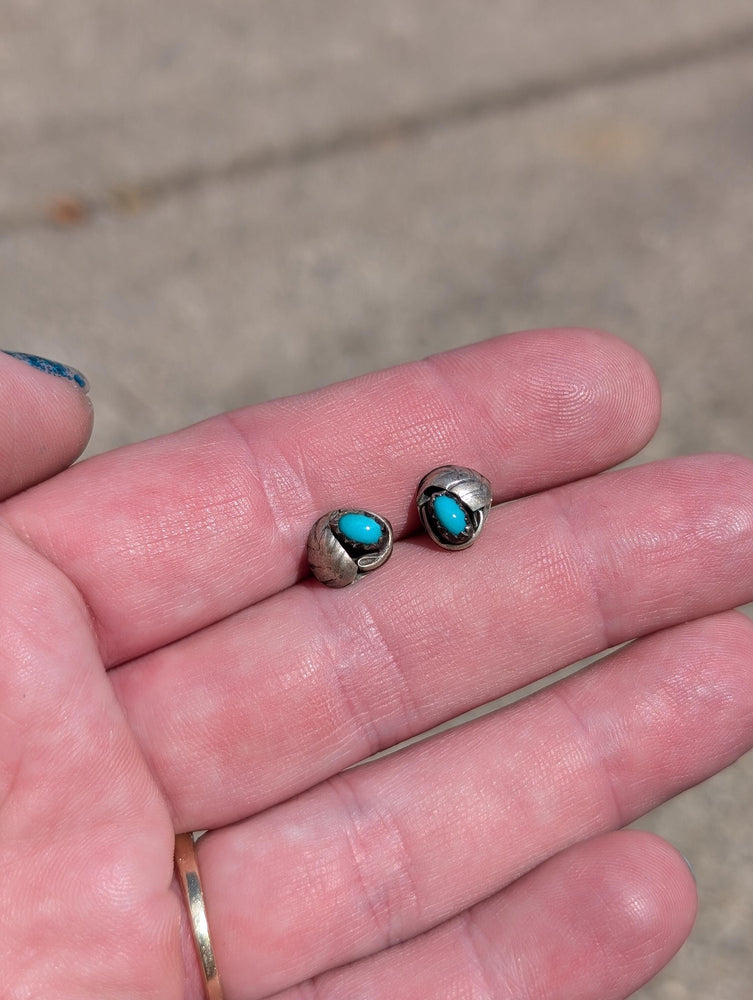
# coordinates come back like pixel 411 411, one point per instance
pixel 344 544
pixel 453 503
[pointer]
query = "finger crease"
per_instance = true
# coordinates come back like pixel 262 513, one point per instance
pixel 582 556
pixel 610 789
pixel 381 861
pixel 476 950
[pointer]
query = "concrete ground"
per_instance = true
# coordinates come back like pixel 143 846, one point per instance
pixel 204 205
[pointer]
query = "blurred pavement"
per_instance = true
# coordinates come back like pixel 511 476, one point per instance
pixel 205 205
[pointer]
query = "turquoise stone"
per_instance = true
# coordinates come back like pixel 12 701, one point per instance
pixel 450 514
pixel 360 528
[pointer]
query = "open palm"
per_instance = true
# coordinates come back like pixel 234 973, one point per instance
pixel 167 665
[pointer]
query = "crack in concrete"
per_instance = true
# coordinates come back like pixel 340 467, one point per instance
pixel 407 127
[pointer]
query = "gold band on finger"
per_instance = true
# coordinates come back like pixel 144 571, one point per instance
pixel 188 872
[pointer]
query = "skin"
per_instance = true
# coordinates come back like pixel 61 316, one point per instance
pixel 47 425
pixel 166 664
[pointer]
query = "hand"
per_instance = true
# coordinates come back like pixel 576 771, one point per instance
pixel 238 692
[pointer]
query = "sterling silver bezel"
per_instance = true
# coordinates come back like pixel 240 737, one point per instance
pixel 472 491
pixel 333 561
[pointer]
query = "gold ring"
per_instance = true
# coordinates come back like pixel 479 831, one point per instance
pixel 188 872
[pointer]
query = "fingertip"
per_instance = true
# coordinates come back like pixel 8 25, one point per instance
pixel 626 384
pixel 625 902
pixel 586 398
pixel 599 379
pixel 644 389
pixel 46 421
pixel 653 887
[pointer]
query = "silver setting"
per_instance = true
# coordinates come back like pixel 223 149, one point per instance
pixel 337 561
pixel 469 488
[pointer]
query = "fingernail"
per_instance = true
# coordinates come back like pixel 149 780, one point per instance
pixel 52 368
pixel 690 867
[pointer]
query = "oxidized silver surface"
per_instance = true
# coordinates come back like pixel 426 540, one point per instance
pixel 468 488
pixel 337 561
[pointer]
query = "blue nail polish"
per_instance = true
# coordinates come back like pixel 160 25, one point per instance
pixel 52 368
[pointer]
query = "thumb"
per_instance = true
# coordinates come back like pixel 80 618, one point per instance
pixel 45 419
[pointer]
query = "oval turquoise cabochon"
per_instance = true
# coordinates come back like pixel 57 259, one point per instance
pixel 450 514
pixel 360 528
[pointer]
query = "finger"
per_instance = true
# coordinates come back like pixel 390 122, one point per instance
pixel 190 528
pixel 372 848
pixel 345 674
pixel 45 420
pixel 595 922
pixel 85 843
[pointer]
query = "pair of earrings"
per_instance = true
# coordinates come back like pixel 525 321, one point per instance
pixel 452 503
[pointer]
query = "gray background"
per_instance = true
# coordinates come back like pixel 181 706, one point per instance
pixel 208 204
